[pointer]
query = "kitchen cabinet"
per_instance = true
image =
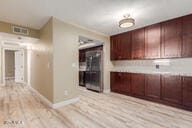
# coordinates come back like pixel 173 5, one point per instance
pixel 187 91
pixel 125 46
pixel 153 41
pixel 171 38
pixel 166 89
pixel 120 82
pixel 121 46
pixel 138 44
pixel 138 84
pixel 172 89
pixel 153 86
pixel 115 80
pixel 125 83
pixel 187 36
pixel 115 47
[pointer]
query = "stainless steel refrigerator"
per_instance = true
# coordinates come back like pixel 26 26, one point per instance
pixel 94 70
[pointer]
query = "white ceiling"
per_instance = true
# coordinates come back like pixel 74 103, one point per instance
pixel 97 15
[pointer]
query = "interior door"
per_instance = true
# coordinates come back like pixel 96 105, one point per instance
pixel 19 66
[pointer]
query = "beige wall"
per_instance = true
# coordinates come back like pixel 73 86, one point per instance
pixel 55 60
pixel 41 63
pixel 7 28
pixel 9 63
pixel 65 44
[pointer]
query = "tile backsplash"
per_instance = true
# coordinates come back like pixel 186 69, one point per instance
pixel 171 66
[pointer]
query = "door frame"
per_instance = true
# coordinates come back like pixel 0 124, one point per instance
pixel 12 48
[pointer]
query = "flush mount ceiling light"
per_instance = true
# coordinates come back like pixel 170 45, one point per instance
pixel 126 22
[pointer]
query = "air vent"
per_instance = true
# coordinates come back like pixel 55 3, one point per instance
pixel 20 30
pixel 10 44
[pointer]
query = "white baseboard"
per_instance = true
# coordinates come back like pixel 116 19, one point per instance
pixel 56 105
pixel 106 91
pixel 64 103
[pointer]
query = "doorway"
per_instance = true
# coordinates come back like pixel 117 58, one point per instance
pixel 13 67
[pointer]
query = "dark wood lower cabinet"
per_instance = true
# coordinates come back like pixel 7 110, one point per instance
pixel 125 83
pixel 187 91
pixel 172 89
pixel 120 82
pixel 115 79
pixel 153 86
pixel 165 89
pixel 138 84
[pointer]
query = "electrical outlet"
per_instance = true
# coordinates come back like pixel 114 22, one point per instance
pixel 157 66
pixel 66 92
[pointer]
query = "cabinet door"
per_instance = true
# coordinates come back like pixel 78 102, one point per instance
pixel 187 91
pixel 152 41
pixel 115 47
pixel 125 46
pixel 172 38
pixel 172 89
pixel 125 83
pixel 138 84
pixel 112 47
pixel 115 86
pixel 138 44
pixel 187 36
pixel 153 86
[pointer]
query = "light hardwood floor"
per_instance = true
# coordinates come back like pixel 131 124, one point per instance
pixel 94 110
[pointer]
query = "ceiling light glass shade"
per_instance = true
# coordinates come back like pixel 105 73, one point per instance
pixel 125 23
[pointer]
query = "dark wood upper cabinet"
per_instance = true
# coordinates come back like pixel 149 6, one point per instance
pixel 138 84
pixel 114 47
pixel 187 36
pixel 153 41
pixel 121 46
pixel 187 91
pixel 172 89
pixel 138 44
pixel 153 86
pixel 125 46
pixel 171 38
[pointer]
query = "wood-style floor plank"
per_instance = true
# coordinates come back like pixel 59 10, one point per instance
pixel 94 110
